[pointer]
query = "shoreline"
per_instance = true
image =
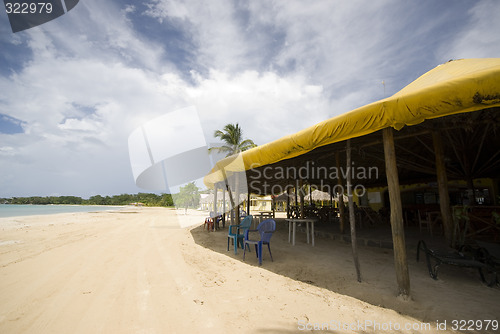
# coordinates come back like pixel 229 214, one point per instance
pixel 40 206
pixel 182 220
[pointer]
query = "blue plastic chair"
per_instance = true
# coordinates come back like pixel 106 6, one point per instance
pixel 237 232
pixel 266 230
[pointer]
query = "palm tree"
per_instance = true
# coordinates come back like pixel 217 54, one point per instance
pixel 232 136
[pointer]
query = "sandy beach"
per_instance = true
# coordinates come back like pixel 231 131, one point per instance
pixel 138 271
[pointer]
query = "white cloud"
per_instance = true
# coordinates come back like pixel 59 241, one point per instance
pixel 273 67
pixel 7 151
pixel 65 149
pixel 344 46
pixel 122 98
pixel 265 105
pixel 86 125
pixel 480 37
pixel 214 27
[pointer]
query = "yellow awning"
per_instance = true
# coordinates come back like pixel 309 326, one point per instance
pixel 455 87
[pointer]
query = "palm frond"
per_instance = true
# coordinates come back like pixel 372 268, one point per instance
pixel 247 144
pixel 232 136
pixel 221 149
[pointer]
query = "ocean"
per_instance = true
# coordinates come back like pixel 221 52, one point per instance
pixel 14 210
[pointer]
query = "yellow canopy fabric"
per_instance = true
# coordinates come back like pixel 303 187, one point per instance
pixel 455 87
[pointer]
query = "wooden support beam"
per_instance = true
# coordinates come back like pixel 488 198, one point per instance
pixel 296 195
pixel 455 146
pixel 417 167
pixel 227 183
pixel 480 148
pixel 288 203
pixel 410 135
pixel 397 226
pixel 215 199
pixel 301 195
pixel 489 164
pixel 442 180
pixel 424 144
pixel 223 206
pixel 248 202
pixel 352 214
pixel 414 154
pixel 237 190
pixel 340 182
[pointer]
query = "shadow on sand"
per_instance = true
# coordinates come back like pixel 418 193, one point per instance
pixel 458 294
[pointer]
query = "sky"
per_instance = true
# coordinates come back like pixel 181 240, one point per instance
pixel 74 89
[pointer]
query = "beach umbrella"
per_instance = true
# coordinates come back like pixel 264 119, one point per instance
pixel 318 195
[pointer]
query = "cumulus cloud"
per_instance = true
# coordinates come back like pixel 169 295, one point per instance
pixel 478 37
pixel 266 105
pixel 82 83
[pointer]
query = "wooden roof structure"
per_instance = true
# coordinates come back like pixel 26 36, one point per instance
pixel 471 144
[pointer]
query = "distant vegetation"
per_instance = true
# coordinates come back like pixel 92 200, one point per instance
pixel 124 199
pixel 188 196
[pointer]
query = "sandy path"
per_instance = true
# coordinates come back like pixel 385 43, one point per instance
pixel 138 272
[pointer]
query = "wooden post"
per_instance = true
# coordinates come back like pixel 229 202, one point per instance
pixel 471 190
pixel 215 199
pixel 340 182
pixel 301 194
pixel 223 207
pixel 352 217
pixel 231 201
pixel 442 180
pixel 398 236
pixel 296 204
pixel 216 209
pixel 237 190
pixel 288 203
pixel 248 202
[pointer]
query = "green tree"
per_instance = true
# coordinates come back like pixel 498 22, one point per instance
pixel 149 199
pixel 166 200
pixel 233 142
pixel 97 200
pixel 122 199
pixel 188 196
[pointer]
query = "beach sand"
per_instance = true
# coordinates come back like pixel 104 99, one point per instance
pixel 138 271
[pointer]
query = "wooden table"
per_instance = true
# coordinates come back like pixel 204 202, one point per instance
pixel 266 214
pixel 263 215
pixel 292 222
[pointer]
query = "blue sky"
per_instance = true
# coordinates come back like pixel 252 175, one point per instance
pixel 73 90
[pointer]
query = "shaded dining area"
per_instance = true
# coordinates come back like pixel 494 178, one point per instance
pixel 427 157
